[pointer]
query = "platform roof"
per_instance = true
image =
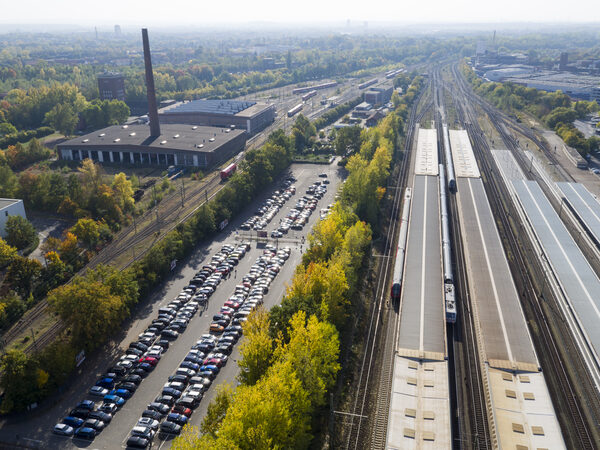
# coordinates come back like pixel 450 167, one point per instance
pixel 422 318
pixel 523 411
pixel 419 416
pixel 494 297
pixel 426 162
pixel 508 166
pixel 463 157
pixel 578 280
pixel 586 206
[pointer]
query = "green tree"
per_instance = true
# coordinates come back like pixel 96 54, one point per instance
pixel 87 232
pixel 8 182
pixel 256 348
pixel 22 274
pixel 123 191
pixel 215 413
pixel 7 128
pixel 18 381
pixel 20 233
pixel 347 139
pixel 62 118
pixel 7 253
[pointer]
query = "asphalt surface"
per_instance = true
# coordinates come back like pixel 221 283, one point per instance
pixel 36 429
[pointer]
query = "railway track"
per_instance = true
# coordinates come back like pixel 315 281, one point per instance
pixel 374 383
pixel 565 395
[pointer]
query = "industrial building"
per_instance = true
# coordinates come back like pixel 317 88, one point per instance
pixel 111 86
pixel 178 144
pixel 580 87
pixel 10 207
pixel 379 95
pixel 245 115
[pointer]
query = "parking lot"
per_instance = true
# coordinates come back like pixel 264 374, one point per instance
pixel 118 431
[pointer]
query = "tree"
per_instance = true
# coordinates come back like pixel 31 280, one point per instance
pixel 7 128
pixel 8 182
pixel 215 413
pixel 347 139
pixel 18 380
pixel 256 348
pixel 87 232
pixel 7 253
pixel 62 118
pixel 22 275
pixel 313 350
pixel 20 233
pixel 90 309
pixel 123 191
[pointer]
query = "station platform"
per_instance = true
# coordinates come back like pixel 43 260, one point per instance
pixel 426 161
pixel 585 205
pixel 576 277
pixel 422 331
pixel 500 321
pixel 465 164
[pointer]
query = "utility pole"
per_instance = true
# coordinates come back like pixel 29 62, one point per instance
pixel 182 192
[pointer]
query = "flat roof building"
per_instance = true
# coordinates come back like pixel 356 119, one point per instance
pixel 111 86
pixel 178 144
pixel 379 95
pixel 245 115
pixel 10 207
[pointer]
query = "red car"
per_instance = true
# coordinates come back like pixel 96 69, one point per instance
pixel 180 409
pixel 214 362
pixel 232 304
pixel 150 360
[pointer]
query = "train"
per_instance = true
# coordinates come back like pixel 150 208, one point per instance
pixel 228 171
pixel 449 163
pixel 366 84
pixel 295 110
pixel 401 249
pixel 302 90
pixel 393 73
pixel 309 95
pixel 449 294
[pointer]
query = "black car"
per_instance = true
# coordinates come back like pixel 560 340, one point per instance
pixel 180 378
pixel 171 392
pixel 81 413
pixel 139 372
pixel 137 442
pixel 235 328
pixel 169 334
pixel 224 348
pixel 163 343
pixel 135 379
pixel 100 415
pixel 177 327
pixel 152 414
pixel 139 345
pixel 165 399
pixel 160 407
pixel 134 351
pixel 131 387
pixel 170 428
pixel 218 317
pixel 193 358
pixel 119 370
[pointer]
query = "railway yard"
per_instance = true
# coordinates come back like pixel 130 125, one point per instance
pixel 515 365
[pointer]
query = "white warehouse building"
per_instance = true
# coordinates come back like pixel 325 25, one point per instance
pixel 10 207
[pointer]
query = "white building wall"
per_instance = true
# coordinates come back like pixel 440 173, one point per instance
pixel 15 209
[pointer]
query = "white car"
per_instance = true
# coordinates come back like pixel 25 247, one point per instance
pixel 98 391
pixel 148 422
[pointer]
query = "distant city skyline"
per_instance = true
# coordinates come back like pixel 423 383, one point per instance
pixel 310 12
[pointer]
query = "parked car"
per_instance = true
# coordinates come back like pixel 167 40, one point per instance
pixel 100 415
pixel 170 428
pixel 96 424
pixel 159 407
pixel 111 398
pixel 85 433
pixel 71 421
pixel 98 391
pixel 109 408
pixel 63 429
pixel 137 442
pixel 148 422
pixel 179 419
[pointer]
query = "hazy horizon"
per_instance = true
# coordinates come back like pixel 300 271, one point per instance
pixel 377 13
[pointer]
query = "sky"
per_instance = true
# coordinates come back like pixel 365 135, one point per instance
pixel 211 13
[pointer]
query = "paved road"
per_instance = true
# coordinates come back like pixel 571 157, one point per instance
pixel 37 427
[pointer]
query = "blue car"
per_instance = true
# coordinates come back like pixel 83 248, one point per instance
pixel 110 398
pixel 74 422
pixel 86 404
pixel 179 419
pixel 106 382
pixel 190 365
pixel 123 393
pixel 209 368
